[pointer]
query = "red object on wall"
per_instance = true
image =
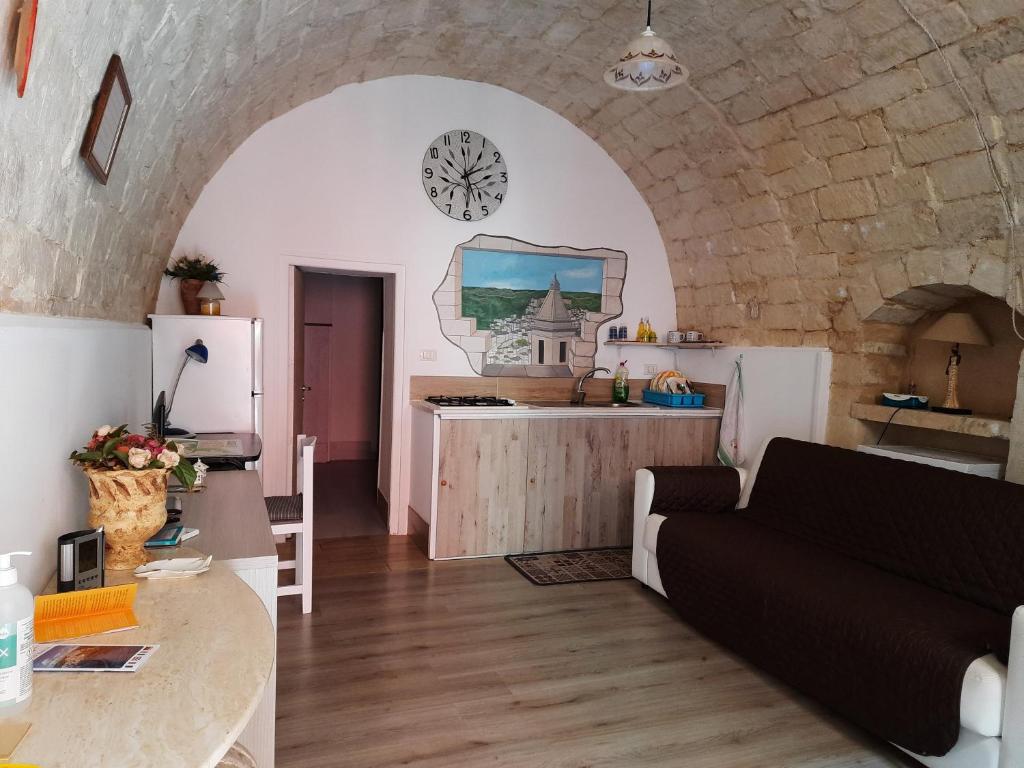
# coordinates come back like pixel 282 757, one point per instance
pixel 23 49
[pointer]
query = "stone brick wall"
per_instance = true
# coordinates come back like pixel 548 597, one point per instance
pixel 822 171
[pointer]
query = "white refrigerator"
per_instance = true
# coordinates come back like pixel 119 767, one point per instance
pixel 226 393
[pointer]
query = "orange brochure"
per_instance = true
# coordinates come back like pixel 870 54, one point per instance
pixel 90 612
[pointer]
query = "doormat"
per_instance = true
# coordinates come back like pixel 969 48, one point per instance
pixel 574 566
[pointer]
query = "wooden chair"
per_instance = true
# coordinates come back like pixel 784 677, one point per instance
pixel 294 515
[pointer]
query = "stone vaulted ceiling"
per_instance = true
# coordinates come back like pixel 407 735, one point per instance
pixel 822 170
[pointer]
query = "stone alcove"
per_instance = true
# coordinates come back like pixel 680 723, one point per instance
pixel 914 291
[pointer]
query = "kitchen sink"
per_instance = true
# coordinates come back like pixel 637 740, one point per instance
pixel 585 404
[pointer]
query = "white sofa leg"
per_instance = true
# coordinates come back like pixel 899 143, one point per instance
pixel 643 495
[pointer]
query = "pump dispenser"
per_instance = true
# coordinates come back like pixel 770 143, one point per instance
pixel 17 609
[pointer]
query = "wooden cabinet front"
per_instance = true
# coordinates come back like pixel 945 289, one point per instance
pixel 481 495
pixel 581 473
pixel 533 485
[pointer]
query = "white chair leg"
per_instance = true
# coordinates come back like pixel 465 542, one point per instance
pixel 307 572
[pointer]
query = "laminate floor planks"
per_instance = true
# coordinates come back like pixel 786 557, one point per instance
pixel 464 663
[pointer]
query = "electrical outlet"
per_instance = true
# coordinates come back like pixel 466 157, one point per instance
pixel 650 369
pixel 428 354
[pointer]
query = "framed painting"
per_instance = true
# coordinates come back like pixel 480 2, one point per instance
pixel 109 114
pixel 519 309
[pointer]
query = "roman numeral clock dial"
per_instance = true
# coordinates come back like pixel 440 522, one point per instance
pixel 464 175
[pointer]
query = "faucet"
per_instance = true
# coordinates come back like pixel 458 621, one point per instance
pixel 579 395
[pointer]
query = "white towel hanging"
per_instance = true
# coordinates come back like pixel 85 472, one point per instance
pixel 730 436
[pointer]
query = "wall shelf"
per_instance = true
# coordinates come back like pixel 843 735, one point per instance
pixel 659 345
pixel 978 426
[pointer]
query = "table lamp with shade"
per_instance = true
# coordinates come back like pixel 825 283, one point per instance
pixel 200 354
pixel 210 297
pixel 955 328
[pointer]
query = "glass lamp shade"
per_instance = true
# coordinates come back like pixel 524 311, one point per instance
pixel 647 64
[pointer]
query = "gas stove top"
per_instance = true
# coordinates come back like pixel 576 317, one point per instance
pixel 472 401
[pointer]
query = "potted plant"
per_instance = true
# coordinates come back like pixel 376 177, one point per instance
pixel 127 476
pixel 193 272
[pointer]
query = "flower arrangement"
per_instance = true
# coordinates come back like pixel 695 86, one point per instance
pixel 115 448
pixel 196 267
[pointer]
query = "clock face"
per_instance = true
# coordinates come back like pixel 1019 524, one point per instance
pixel 464 175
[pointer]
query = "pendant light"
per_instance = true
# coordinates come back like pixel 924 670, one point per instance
pixel 647 64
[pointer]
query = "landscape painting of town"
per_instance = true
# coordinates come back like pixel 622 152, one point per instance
pixel 516 296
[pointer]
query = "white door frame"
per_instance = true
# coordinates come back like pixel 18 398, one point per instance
pixel 400 430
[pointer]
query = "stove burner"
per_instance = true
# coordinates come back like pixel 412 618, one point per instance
pixel 468 400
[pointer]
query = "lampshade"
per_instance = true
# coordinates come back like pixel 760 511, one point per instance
pixel 198 352
pixel 647 64
pixel 957 328
pixel 210 290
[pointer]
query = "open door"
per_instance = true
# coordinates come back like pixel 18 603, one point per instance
pixel 299 361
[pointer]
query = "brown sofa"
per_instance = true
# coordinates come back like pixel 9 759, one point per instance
pixel 870 584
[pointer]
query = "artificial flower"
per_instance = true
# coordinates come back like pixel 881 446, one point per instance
pixel 105 430
pixel 138 457
pixel 169 458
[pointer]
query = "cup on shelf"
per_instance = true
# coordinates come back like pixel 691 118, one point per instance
pixel 613 333
pixel 674 337
pixel 694 336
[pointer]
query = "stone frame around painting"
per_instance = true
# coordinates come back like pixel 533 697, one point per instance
pixel 581 348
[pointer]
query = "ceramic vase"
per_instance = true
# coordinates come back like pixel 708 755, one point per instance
pixel 190 288
pixel 131 505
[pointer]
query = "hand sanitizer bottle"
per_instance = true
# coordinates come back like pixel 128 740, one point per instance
pixel 17 609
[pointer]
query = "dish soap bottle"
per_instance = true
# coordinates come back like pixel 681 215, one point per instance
pixel 17 609
pixel 620 385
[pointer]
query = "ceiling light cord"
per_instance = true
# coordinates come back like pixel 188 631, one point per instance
pixel 1009 203
pixel 649 13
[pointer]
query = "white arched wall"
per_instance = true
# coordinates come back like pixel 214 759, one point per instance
pixel 337 180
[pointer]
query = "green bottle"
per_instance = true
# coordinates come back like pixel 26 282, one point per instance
pixel 620 385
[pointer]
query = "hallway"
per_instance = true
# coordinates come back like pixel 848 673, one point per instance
pixel 345 500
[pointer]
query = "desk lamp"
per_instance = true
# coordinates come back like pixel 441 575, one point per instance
pixel 956 328
pixel 200 354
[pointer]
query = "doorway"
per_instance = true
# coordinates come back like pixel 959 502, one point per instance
pixel 342 381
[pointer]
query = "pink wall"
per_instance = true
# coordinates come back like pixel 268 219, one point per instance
pixel 353 307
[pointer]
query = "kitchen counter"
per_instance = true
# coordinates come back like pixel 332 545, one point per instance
pixel 562 410
pixel 539 477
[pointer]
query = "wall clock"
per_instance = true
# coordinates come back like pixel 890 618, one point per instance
pixel 464 175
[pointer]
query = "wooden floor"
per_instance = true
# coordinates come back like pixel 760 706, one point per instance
pixel 404 662
pixel 345 500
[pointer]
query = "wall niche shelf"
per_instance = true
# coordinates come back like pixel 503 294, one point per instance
pixel 978 426
pixel 659 345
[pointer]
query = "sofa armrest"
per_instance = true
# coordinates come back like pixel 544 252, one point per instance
pixel 695 489
pixel 1011 752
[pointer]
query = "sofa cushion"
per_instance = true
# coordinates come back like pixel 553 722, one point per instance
pixel 886 652
pixel 956 532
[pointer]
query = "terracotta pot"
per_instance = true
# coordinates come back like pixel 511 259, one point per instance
pixel 131 505
pixel 190 289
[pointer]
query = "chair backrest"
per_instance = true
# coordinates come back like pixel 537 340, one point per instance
pixel 304 448
pixel 959 533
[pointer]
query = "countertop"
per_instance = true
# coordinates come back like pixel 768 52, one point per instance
pixel 526 410
pixel 231 516
pixel 189 702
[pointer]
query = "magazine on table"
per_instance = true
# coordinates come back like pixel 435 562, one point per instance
pixel 91 658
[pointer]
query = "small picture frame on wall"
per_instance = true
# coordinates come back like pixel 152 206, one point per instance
pixel 109 114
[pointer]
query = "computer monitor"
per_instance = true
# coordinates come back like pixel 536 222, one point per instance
pixel 160 415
